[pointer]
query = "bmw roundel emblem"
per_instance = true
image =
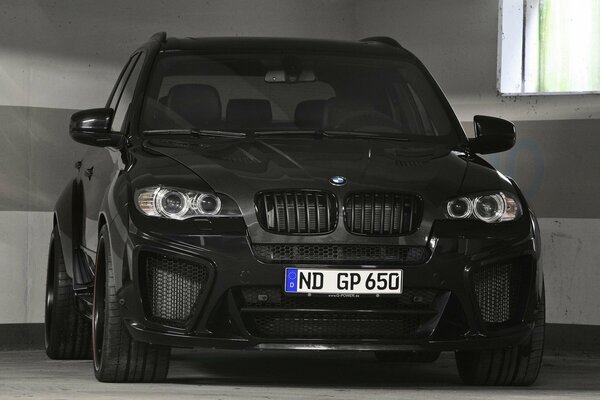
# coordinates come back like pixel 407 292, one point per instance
pixel 337 180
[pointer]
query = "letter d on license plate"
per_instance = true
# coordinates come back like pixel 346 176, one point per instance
pixel 352 281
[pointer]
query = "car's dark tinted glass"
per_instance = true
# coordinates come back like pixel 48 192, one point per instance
pixel 264 92
pixel 122 107
pixel 118 88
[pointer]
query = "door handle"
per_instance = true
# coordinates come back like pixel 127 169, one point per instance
pixel 89 172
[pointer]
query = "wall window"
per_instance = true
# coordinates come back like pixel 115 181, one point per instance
pixel 549 46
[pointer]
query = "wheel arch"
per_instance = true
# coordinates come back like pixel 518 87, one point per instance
pixel 117 259
pixel 65 225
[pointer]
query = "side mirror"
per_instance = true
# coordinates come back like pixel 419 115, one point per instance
pixel 493 135
pixel 92 127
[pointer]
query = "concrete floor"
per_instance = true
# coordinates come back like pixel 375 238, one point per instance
pixel 254 375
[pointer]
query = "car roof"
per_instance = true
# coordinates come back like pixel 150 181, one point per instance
pixel 378 46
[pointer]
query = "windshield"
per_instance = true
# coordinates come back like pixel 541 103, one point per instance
pixel 281 93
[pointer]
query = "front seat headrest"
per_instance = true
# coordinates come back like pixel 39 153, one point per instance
pixel 198 104
pixel 249 113
pixel 310 114
pixel 339 109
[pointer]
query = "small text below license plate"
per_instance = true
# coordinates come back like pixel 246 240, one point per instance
pixel 335 281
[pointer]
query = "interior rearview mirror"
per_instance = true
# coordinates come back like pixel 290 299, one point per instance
pixel 492 135
pixel 282 76
pixel 92 127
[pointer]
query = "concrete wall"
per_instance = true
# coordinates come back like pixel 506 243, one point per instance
pixel 53 62
pixel 556 158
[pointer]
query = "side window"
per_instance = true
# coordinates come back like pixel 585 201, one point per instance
pixel 122 106
pixel 116 93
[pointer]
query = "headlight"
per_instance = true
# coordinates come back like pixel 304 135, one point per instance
pixel 490 208
pixel 176 203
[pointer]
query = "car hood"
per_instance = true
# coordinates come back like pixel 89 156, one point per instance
pixel 240 168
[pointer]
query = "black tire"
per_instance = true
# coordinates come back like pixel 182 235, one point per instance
pixel 408 356
pixel 513 366
pixel 118 357
pixel 68 335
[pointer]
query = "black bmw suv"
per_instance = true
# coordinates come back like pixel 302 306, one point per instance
pixel 262 193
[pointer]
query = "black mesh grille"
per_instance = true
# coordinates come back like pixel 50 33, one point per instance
pixel 172 288
pixel 497 288
pixel 270 313
pixel 382 214
pixel 313 325
pixel 306 212
pixel 340 254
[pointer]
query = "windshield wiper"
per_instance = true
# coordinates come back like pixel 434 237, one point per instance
pixel 291 132
pixel 196 132
pixel 333 133
pixel 365 135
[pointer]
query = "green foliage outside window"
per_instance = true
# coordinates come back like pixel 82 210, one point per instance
pixel 569 46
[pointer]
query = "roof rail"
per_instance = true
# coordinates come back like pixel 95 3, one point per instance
pixel 160 36
pixel 382 39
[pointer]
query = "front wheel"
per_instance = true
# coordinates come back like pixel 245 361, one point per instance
pixel 512 366
pixel 117 356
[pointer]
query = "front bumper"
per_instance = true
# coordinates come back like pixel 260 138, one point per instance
pixel 458 322
pixel 508 337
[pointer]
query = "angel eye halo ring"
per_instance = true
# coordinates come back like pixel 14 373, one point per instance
pixel 489 207
pixel 178 204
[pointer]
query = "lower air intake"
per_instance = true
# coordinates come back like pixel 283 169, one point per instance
pixel 172 288
pixel 270 313
pixel 498 290
pixel 313 325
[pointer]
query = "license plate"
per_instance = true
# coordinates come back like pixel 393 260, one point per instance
pixel 335 281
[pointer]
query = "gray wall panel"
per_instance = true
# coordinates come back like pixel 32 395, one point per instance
pixel 15 144
pixel 556 164
pixel 36 157
pixel 66 54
